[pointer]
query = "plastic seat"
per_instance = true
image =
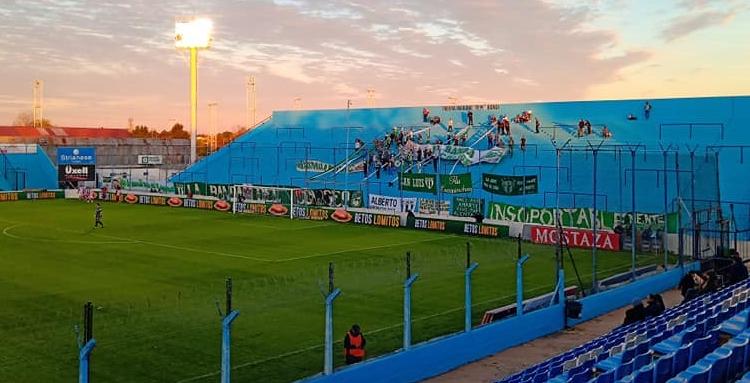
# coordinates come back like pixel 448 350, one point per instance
pixel 663 368
pixel 644 375
pixel 641 360
pixel 581 377
pixel 624 370
pixel 701 374
pixel 681 359
pixel 607 377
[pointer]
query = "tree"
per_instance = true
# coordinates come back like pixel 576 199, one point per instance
pixel 178 131
pixel 141 131
pixel 27 119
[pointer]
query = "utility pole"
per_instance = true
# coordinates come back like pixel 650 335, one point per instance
pixel 213 120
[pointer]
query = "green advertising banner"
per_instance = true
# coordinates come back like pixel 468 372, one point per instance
pixel 27 195
pixel 417 182
pixel 458 227
pixel 579 218
pixel 455 183
pixel 510 185
pixel 467 207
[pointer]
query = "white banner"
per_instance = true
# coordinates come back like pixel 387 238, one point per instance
pixel 434 207
pixel 150 159
pixel 390 203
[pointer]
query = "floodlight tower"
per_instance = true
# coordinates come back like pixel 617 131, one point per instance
pixel 38 107
pixel 193 33
pixel 251 103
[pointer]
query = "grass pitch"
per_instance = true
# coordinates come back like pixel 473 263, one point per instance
pixel 156 274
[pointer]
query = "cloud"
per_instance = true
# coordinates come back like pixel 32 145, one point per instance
pixel 694 22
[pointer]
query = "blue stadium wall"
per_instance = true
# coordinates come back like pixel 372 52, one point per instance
pixel 32 170
pixel 714 129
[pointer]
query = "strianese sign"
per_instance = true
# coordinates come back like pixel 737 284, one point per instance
pixel 575 238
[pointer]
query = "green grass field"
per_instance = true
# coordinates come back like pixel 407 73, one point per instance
pixel 155 275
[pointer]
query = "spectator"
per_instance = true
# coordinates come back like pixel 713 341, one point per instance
pixel 647 234
pixel 588 127
pixel 632 117
pixel 470 117
pixel 537 125
pixel 506 126
pixel 647 110
pixel 490 138
pixel 654 305
pixel 581 125
pixel 425 114
pixel 636 313
pixel 435 161
pixel 364 168
pixel 450 125
pixel 737 271
pixel 606 133
pixel 510 143
pixel 463 140
pixel 354 345
pixel 523 142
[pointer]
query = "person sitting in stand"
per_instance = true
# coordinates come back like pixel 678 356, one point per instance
pixel 606 133
pixel 523 142
pixel 425 114
pixel 654 305
pixel 537 125
pixel 588 127
pixel 636 313
pixel 510 143
pixel 450 125
pixel 463 140
pixel 490 138
pixel 632 117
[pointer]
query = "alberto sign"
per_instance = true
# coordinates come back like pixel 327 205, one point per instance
pixel 575 238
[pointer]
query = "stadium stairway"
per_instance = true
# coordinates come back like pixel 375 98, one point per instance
pixel 703 340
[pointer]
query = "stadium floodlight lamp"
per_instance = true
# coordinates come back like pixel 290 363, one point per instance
pixel 193 33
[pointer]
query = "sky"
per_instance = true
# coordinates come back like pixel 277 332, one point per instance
pixel 104 62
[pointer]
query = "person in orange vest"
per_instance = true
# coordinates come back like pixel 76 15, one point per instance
pixel 354 345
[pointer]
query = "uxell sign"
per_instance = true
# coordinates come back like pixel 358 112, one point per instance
pixel 76 173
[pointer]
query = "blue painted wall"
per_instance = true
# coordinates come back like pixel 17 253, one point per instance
pixel 268 154
pixel 36 169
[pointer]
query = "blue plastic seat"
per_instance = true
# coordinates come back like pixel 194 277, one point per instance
pixel 581 377
pixel 718 361
pixel 641 360
pixel 736 324
pixel 701 374
pixel 663 368
pixel 681 359
pixel 644 375
pixel 607 377
pixel 624 370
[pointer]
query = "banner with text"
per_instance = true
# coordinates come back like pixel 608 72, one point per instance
pixel 418 182
pixel 27 195
pixel 580 218
pixel 575 238
pixel 455 183
pixel 467 207
pixel 390 203
pixel 509 185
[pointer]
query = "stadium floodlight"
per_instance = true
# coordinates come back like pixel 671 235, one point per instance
pixel 193 33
